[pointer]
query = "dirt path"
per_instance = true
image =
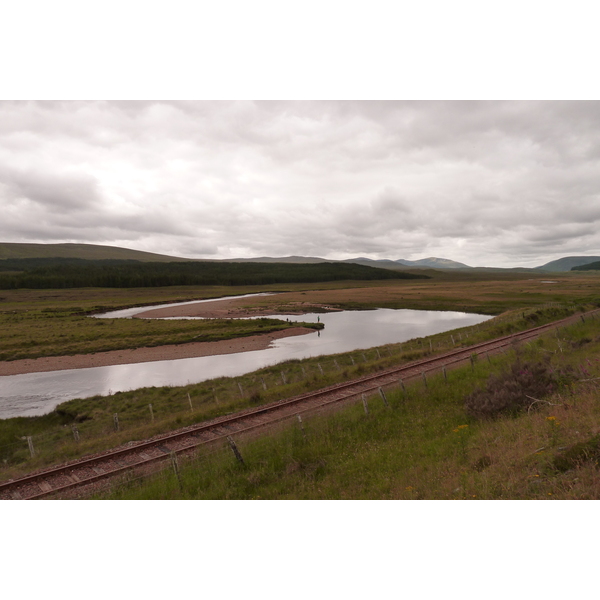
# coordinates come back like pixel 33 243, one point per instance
pixel 137 355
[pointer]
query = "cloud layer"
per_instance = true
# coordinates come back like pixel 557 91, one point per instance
pixel 485 183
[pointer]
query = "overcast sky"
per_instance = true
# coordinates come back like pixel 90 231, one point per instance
pixel 484 183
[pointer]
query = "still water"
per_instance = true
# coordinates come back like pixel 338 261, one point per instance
pixel 38 393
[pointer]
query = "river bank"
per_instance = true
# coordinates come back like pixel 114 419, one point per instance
pixel 139 355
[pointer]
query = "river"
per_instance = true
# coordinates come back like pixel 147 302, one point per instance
pixel 39 393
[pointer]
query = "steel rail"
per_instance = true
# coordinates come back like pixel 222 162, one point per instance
pixel 348 390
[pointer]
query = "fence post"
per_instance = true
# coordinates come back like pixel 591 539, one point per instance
pixel 241 389
pixel 424 378
pixel 402 386
pixel 116 421
pixel 151 412
pixel 235 450
pixel 30 444
pixel 75 433
pixel 301 426
pixel 283 378
pixel 263 383
pixel 382 394
pixel 445 374
pixel 365 404
pixel 320 368
pixel 175 465
pixel 190 401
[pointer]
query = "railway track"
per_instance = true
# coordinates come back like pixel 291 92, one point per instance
pixel 88 471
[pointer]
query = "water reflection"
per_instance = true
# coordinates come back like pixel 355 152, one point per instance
pixel 38 393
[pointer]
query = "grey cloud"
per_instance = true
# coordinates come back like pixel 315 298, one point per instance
pixel 59 191
pixel 500 180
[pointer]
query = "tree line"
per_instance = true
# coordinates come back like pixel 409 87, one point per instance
pixel 595 266
pixel 56 273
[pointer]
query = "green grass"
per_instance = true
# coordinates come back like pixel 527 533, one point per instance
pixel 422 447
pixel 54 438
pixel 57 323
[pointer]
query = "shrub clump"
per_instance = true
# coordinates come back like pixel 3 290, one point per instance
pixel 513 390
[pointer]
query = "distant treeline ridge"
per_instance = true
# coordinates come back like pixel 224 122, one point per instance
pixel 595 266
pixel 48 273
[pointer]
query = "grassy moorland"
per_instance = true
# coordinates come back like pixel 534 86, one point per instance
pixel 537 438
pixel 145 412
pixel 36 323
pixel 521 301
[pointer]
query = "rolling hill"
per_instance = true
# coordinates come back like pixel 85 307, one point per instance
pixel 567 263
pixel 82 251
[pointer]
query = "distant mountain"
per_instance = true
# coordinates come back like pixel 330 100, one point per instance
pixel 282 259
pixel 567 263
pixel 82 251
pixel 434 263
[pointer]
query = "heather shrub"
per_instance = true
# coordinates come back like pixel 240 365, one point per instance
pixel 515 389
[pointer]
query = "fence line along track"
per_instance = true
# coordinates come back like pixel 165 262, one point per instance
pixel 86 471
